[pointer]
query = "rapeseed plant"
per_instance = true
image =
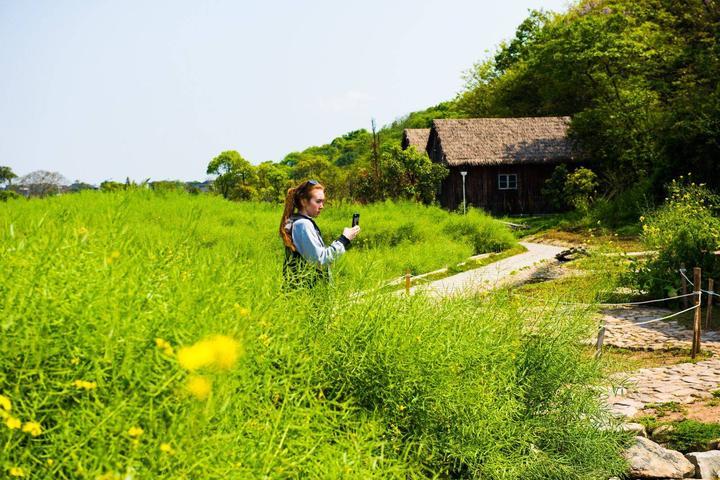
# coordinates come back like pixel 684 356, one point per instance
pixel 135 432
pixel 13 423
pixel 167 448
pixel 16 472
pixel 5 403
pixel 325 384
pixel 242 311
pixel 33 428
pixel 165 347
pixel 219 350
pixel 199 387
pixel 84 385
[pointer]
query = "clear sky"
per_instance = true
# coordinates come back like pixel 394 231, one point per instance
pixel 106 89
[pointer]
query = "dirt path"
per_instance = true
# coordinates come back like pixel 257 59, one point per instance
pixel 509 270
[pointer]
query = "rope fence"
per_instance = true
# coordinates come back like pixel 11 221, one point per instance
pixel 620 327
pixel 697 308
pixel 682 272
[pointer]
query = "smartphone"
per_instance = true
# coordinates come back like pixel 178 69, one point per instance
pixel 356 219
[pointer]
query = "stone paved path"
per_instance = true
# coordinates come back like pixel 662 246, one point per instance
pixel 622 332
pixel 682 383
pixel 502 272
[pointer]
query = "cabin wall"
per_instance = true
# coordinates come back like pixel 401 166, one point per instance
pixel 482 188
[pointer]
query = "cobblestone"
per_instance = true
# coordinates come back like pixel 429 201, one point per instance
pixel 622 332
pixel 683 383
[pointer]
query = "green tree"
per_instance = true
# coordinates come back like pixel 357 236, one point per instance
pixel 111 186
pixel 411 174
pixel 235 175
pixel 554 188
pixel 42 183
pixel 273 180
pixel 317 167
pixel 638 77
pixel 580 188
pixel 6 175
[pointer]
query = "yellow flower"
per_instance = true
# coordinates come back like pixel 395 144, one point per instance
pixel 108 476
pixel 135 432
pixel 165 346
pixel 13 423
pixel 75 361
pixel 115 255
pixel 199 387
pixel 50 462
pixel 264 339
pixel 17 472
pixel 242 311
pixel 82 231
pixel 226 350
pixel 166 448
pixel 196 356
pixel 33 428
pixel 5 403
pixel 219 350
pixel 84 385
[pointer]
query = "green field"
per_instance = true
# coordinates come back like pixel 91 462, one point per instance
pixel 146 334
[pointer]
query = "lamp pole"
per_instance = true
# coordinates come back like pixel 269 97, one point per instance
pixel 463 177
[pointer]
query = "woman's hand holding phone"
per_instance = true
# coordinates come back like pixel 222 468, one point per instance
pixel 351 232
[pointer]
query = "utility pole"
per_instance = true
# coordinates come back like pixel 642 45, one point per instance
pixel 376 159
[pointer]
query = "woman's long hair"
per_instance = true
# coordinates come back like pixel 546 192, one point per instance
pixel 293 204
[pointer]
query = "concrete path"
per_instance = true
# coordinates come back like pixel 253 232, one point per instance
pixel 502 272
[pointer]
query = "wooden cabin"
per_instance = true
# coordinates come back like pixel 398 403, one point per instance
pixel 415 137
pixel 507 160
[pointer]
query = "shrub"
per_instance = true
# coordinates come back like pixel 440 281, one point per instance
pixel 686 229
pixel 480 230
pixel 6 195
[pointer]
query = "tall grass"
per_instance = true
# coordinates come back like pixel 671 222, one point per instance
pixel 325 386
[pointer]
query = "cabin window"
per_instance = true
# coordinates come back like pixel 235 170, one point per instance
pixel 507 181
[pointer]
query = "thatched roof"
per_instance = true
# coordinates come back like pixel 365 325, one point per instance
pixel 494 141
pixel 415 137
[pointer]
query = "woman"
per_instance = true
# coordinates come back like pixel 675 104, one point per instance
pixel 306 257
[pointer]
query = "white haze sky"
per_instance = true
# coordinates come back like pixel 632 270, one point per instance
pixel 106 89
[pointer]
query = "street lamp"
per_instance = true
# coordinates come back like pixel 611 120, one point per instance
pixel 463 175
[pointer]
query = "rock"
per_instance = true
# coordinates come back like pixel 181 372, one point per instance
pixel 707 464
pixel 636 428
pixel 662 433
pixel 649 460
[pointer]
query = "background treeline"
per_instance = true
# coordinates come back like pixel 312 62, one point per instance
pixel 361 165
pixel 639 78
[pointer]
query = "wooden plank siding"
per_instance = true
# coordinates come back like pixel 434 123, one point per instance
pixel 482 188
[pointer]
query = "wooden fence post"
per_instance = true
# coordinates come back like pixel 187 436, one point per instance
pixel 407 281
pixel 698 314
pixel 683 283
pixel 708 316
pixel 599 345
